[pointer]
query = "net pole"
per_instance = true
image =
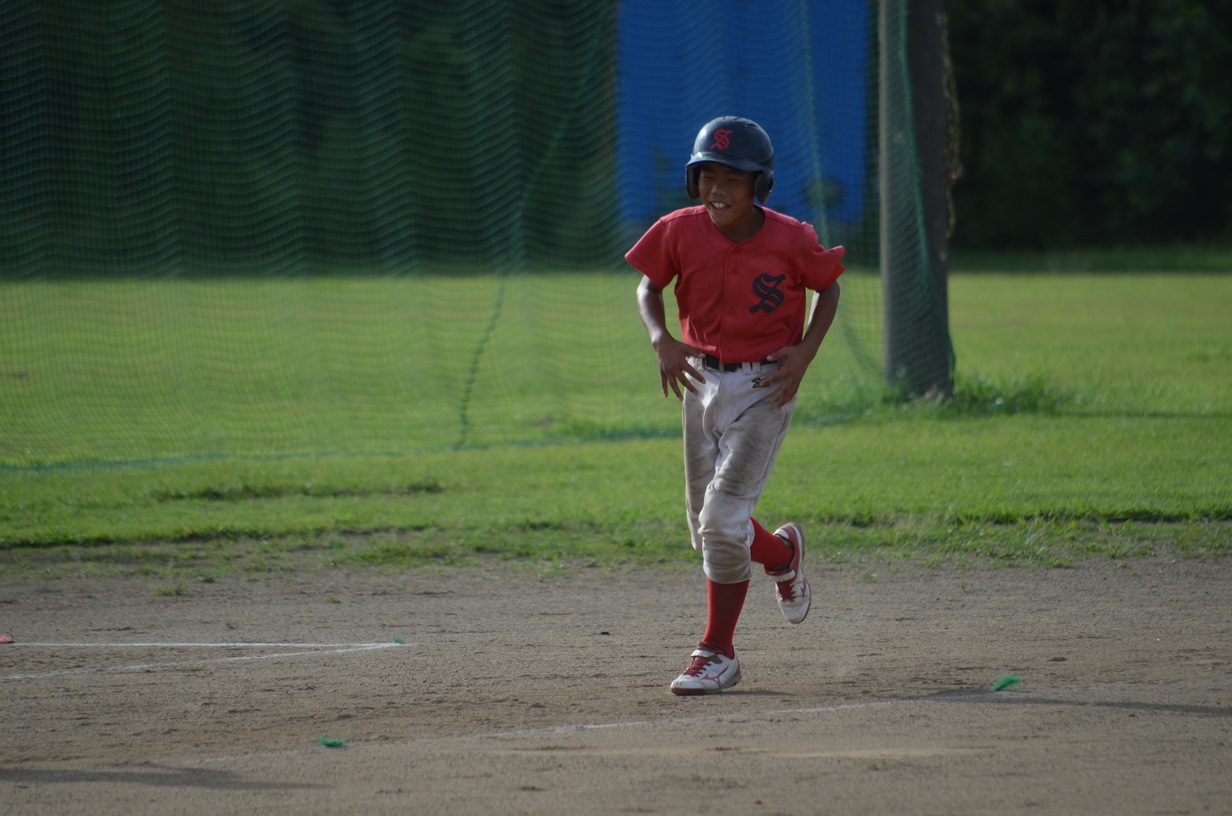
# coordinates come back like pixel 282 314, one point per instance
pixel 913 238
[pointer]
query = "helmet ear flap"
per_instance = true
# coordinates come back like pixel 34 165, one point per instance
pixel 690 181
pixel 765 183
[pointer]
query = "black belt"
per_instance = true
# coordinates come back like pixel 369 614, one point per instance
pixel 715 364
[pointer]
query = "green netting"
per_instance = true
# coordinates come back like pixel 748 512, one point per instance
pixel 303 227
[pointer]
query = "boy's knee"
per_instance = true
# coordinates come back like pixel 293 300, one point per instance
pixel 724 518
pixel 725 530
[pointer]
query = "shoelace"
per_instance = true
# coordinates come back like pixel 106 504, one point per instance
pixel 698 665
pixel 786 589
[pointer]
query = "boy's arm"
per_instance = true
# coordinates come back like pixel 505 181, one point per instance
pixel 796 359
pixel 674 366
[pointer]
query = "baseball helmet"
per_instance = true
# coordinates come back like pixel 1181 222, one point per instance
pixel 735 142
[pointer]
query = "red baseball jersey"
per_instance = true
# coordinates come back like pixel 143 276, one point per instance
pixel 741 301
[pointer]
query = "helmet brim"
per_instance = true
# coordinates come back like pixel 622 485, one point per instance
pixel 727 161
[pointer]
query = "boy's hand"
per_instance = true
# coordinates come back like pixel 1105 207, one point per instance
pixel 795 361
pixel 674 366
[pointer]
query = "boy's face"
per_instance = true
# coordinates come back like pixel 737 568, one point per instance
pixel 727 195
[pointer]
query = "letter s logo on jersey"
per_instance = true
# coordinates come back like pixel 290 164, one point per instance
pixel 722 139
pixel 766 287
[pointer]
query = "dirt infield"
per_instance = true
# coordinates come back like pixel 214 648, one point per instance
pixel 495 691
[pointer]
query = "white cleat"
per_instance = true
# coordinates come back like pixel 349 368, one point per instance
pixel 708 673
pixel 791 587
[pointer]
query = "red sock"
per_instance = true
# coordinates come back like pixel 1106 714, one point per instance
pixel 724 602
pixel 768 549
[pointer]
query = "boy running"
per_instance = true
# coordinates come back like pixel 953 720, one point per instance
pixel 740 273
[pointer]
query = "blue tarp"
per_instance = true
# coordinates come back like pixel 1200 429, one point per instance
pixel 798 68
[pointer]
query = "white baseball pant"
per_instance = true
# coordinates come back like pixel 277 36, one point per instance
pixel 732 434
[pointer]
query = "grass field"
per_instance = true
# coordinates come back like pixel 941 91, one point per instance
pixel 1092 418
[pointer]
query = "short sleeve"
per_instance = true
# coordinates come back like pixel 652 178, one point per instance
pixel 823 267
pixel 653 257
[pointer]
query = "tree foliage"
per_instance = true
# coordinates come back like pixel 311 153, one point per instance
pixel 1102 122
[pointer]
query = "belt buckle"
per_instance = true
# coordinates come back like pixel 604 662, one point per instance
pixel 714 363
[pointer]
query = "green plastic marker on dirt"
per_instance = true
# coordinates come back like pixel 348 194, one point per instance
pixel 1007 682
pixel 332 742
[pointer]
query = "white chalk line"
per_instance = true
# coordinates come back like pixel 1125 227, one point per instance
pixel 670 722
pixel 172 644
pixel 301 650
pixel 582 728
